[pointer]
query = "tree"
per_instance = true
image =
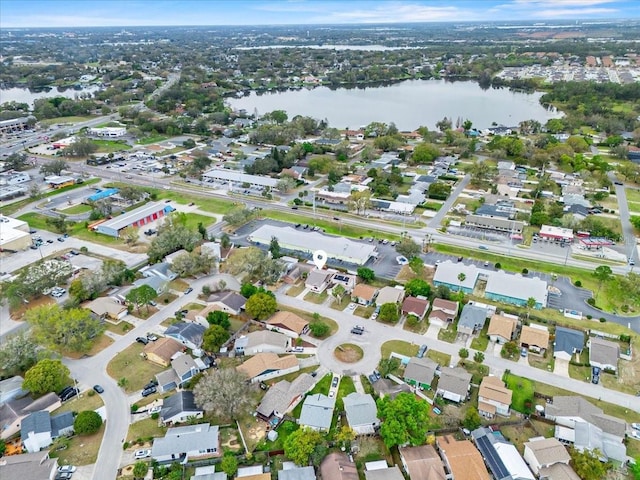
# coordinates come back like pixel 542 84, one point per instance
pixel 366 274
pixel 223 392
pixel 274 248
pixel 408 247
pixel 255 264
pixel 247 290
pixel 319 329
pixel 416 264
pixel 16 161
pixel 439 190
pixel 285 184
pixel 345 435
pixel 239 216
pixel 218 317
pixel 388 366
pixel 140 470
pixel 261 306
pixel 71 329
pixel 225 241
pixel 389 313
pixel 510 350
pixel 194 263
pixel 338 292
pixel 425 153
pixel 417 287
pixel 531 303
pixel 444 124
pixel 405 419
pixel 129 235
pixel 587 464
pixel 634 469
pixel 461 278
pixel 3 447
pixel 478 357
pixel 87 422
pixel 229 464
pixel 214 337
pixel 463 353
pixel 603 273
pixel 18 353
pixel 299 446
pixel 173 235
pixel 472 419
pixel 359 201
pixel 54 167
pixel 46 376
pixel 141 295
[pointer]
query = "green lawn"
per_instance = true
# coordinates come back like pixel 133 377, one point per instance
pixel 482 340
pixel 345 388
pixel 144 429
pixel 295 290
pixel 76 209
pixel 110 146
pixel 400 347
pixel 39 222
pixel 440 358
pixel 193 219
pixel 82 450
pixel 633 195
pixel 522 389
pixel 317 298
pixel 55 121
pixel 151 139
pixel 82 402
pixel 477 370
pixel 130 365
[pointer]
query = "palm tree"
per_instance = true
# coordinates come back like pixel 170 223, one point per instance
pixel 461 278
pixel 531 303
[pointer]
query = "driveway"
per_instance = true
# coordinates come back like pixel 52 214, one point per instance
pixel 561 367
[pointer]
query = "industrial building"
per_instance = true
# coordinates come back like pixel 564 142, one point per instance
pixel 14 234
pixel 238 179
pixel 135 218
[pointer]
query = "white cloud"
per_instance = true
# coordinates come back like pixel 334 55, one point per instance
pixel 400 12
pixel 576 12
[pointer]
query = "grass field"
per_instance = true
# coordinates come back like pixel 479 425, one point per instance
pixel 59 120
pixel 633 195
pixel 398 346
pixel 76 209
pixel 522 389
pixel 81 403
pixel 39 222
pixel 144 429
pixel 82 450
pixel 110 146
pixel 441 358
pixel 130 365
pixel 151 139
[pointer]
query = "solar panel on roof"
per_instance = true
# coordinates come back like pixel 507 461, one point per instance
pixel 492 459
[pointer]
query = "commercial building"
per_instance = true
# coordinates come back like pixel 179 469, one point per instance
pixel 17 124
pixel 57 182
pixel 556 233
pixel 515 289
pixel 14 234
pixel 456 276
pixel 108 132
pixel 14 178
pixel 135 218
pixel 499 224
pixel 238 179
pixel 337 248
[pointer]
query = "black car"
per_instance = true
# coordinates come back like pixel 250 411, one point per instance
pixel 65 390
pixel 70 394
pixel 149 391
pixel 151 384
pixel 142 340
pixel 98 389
pixel 422 351
pixel 188 290
pixel 357 330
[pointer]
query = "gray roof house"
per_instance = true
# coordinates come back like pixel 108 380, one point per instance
pixel 587 427
pixel 361 413
pixel 263 341
pixel 472 319
pixel 161 270
pixel 189 334
pixel 40 429
pixel 181 444
pixel 11 388
pixel 603 353
pixel 567 343
pixel 454 384
pixel 34 466
pixel 420 372
pixel 283 396
pixel 180 407
pixel 228 301
pixel 317 412
pixel 291 471
pixel 501 456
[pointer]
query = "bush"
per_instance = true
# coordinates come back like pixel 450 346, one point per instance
pixel 591 301
pixel 525 271
pixel 87 422
pixel 602 319
pixel 412 321
pixel 498 266
pixel 319 329
pixel 589 317
pixel 125 445
pixel 578 283
pixel 155 415
pixel 91 393
pixel 134 408
pixel 84 249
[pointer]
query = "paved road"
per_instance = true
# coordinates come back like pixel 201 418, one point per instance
pixel 625 219
pixel 446 206
pixel 377 333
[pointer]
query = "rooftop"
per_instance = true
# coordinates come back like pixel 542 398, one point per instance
pixel 288 320
pixel 535 336
pixel 517 286
pixel 502 326
pixel 454 380
pixel 492 388
pixel 266 362
pixel 121 221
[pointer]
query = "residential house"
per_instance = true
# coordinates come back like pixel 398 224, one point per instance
pixel 417 306
pixel 106 308
pixel 501 456
pixel 317 412
pixel 13 411
pixel 472 319
pixel 454 384
pixel 462 459
pixel 228 301
pixel 262 341
pixel 567 343
pixel 559 471
pixel 422 463
pixel 535 338
pixel 502 328
pixel 587 427
pixel 161 270
pixel 209 473
pixel 364 294
pixel 162 350
pixel 419 372
pixel 541 453
pixel 456 276
pixel 390 295
pixel 288 323
pixel 181 444
pixel 264 366
pixel 253 472
pixel 389 388
pixel 189 334
pixel 213 249
pixel 40 429
pixel 347 280
pixel 443 312
pixel 318 280
pixel 11 388
pixel 31 466
pixel 603 353
pixel 361 412
pixel 290 471
pixel 381 471
pixel 284 396
pixel 494 398
pixel 169 259
pixel 337 466
pixel 185 367
pixel 179 408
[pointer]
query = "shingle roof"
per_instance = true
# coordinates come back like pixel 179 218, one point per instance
pixel 574 406
pixel 472 317
pixel 360 409
pixel 390 295
pixel 32 466
pixel 179 440
pixel 465 459
pixel 442 304
pixel 288 320
pixel 559 471
pixel 389 473
pixel 60 422
pixel 164 347
pixel 232 300
pixel 502 326
pixel 423 462
pixel 317 411
pixel 364 291
pixel 568 340
pixel 336 466
pixel 317 278
pixel 177 403
pixel 548 451
pixel 415 305
pixel 280 396
pixel 454 380
pixel 261 337
pixel 421 370
pixel 297 473
pixel 534 336
pixel 36 422
pixel 603 351
pixel 191 331
pixel 263 362
pixel 183 364
pixel 492 388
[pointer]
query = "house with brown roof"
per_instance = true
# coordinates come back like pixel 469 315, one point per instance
pixel 502 328
pixel 106 308
pixel 422 463
pixel 288 323
pixel 443 312
pixel 336 466
pixel 265 366
pixel 417 306
pixel 462 459
pixel 454 384
pixel 541 453
pixel 535 338
pixel 494 397
pixel 364 294
pixel 162 350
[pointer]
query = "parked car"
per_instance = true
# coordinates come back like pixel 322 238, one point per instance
pixel 70 394
pixel 402 260
pixel 61 239
pixel 98 389
pixel 334 382
pixel 351 307
pixel 152 337
pixel 63 475
pixel 142 454
pixel 188 290
pixel 373 378
pixel 142 340
pixel 149 391
pixel 635 426
pixel 523 352
pixel 49 240
pixel 377 374
pixel 422 351
pixel 66 468
pixel 595 375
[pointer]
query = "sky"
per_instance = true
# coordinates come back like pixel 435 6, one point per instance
pixel 103 13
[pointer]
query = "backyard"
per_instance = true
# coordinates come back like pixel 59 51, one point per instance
pixel 130 366
pixel 81 450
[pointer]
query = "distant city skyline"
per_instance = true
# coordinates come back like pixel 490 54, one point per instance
pixel 125 13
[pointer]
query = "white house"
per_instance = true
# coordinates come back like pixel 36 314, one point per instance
pixel 181 444
pixel 361 413
pixel 262 341
pixel 541 453
pixel 40 429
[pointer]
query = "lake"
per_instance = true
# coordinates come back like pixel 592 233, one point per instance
pixel 24 95
pixel 409 104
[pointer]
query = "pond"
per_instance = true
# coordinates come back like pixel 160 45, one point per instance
pixel 26 95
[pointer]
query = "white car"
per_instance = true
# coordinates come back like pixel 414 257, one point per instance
pixel 142 454
pixel 635 434
pixel 66 469
pixel 636 426
pixel 402 260
pixel 351 307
